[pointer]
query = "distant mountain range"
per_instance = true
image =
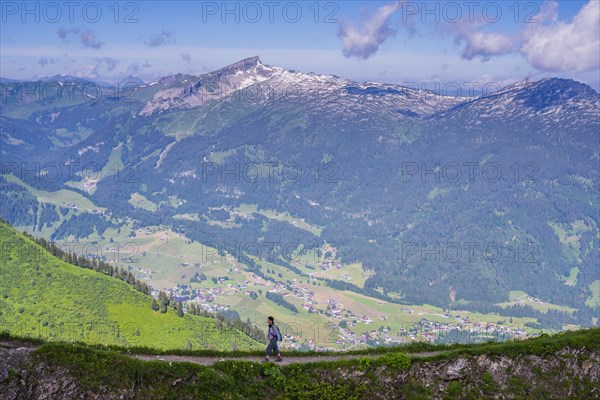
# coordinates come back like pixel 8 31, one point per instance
pixel 130 79
pixel 446 200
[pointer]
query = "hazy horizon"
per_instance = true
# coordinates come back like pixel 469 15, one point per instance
pixel 381 41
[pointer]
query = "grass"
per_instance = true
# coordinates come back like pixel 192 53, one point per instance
pixel 218 157
pixel 179 124
pixel 187 217
pixel 594 299
pixel 522 298
pixel 108 370
pixel 99 370
pixel 323 329
pixel 370 374
pixel 60 198
pixel 247 210
pixel 140 201
pixel 541 345
pixel 95 369
pixel 353 273
pixel 570 234
pixel 165 258
pixel 113 166
pixel 305 325
pixel 437 192
pixel 174 259
pixel 286 217
pixel 571 280
pixel 44 297
pixel 162 251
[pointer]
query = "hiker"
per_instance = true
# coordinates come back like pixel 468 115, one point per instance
pixel 273 336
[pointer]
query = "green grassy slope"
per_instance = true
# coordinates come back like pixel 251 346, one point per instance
pixel 42 296
pixel 547 367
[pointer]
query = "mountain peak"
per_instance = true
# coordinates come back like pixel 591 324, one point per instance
pixel 555 91
pixel 246 67
pixel 243 65
pixel 562 84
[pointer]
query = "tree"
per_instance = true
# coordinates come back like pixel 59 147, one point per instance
pixel 172 301
pixel 179 309
pixel 278 299
pixel 155 306
pixel 163 301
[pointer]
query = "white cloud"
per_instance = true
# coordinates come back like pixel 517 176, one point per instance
pixel 136 68
pixel 160 39
pixel 87 37
pixel 547 45
pixel 43 61
pixel 364 42
pixel 560 46
pixel 186 57
pixel 486 45
pixel 98 67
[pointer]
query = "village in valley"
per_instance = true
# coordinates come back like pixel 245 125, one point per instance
pixel 337 319
pixel 343 324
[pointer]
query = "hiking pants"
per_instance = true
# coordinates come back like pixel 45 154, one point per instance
pixel 272 346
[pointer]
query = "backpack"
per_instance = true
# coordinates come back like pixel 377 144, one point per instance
pixel 277 333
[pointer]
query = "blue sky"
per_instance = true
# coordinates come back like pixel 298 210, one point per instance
pixel 390 41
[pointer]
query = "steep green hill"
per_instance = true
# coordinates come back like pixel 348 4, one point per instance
pixel 42 296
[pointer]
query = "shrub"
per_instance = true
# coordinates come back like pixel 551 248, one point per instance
pixel 454 388
pixel 364 363
pixel 399 361
pixel 241 370
pixel 270 370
